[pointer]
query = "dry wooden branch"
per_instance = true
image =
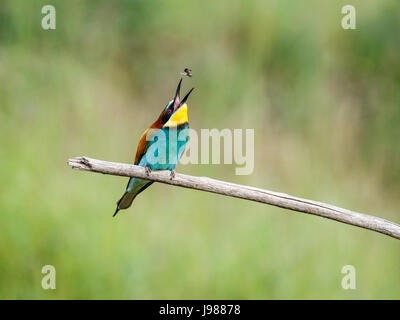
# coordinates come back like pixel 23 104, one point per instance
pixel 244 192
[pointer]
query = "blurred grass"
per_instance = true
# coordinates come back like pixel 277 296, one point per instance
pixel 324 104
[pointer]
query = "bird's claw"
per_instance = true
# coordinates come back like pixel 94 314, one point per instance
pixel 172 176
pixel 148 170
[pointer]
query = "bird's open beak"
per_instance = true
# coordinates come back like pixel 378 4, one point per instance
pixel 177 101
pixel 186 97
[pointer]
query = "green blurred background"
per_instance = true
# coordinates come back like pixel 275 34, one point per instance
pixel 325 106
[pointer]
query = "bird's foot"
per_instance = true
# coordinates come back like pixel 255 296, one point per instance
pixel 148 170
pixel 172 176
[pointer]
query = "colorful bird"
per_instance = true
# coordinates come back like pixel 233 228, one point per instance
pixel 160 146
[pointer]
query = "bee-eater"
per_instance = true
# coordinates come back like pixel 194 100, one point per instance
pixel 171 133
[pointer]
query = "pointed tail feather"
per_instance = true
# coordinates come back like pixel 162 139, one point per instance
pixel 126 200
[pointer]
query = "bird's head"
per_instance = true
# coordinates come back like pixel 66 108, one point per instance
pixel 176 110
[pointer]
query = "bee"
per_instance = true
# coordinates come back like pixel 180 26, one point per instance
pixel 187 72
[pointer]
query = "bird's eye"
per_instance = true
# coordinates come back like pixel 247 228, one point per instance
pixel 169 111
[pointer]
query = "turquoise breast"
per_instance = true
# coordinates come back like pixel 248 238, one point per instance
pixel 166 148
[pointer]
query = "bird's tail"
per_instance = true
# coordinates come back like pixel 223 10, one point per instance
pixel 135 186
pixel 125 202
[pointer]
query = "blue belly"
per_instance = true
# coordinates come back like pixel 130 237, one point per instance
pixel 164 153
pixel 163 156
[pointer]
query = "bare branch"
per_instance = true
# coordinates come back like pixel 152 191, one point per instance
pixel 244 192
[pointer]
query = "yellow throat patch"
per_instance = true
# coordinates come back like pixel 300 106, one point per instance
pixel 178 118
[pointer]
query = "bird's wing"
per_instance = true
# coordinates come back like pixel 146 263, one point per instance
pixel 142 146
pixel 146 140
